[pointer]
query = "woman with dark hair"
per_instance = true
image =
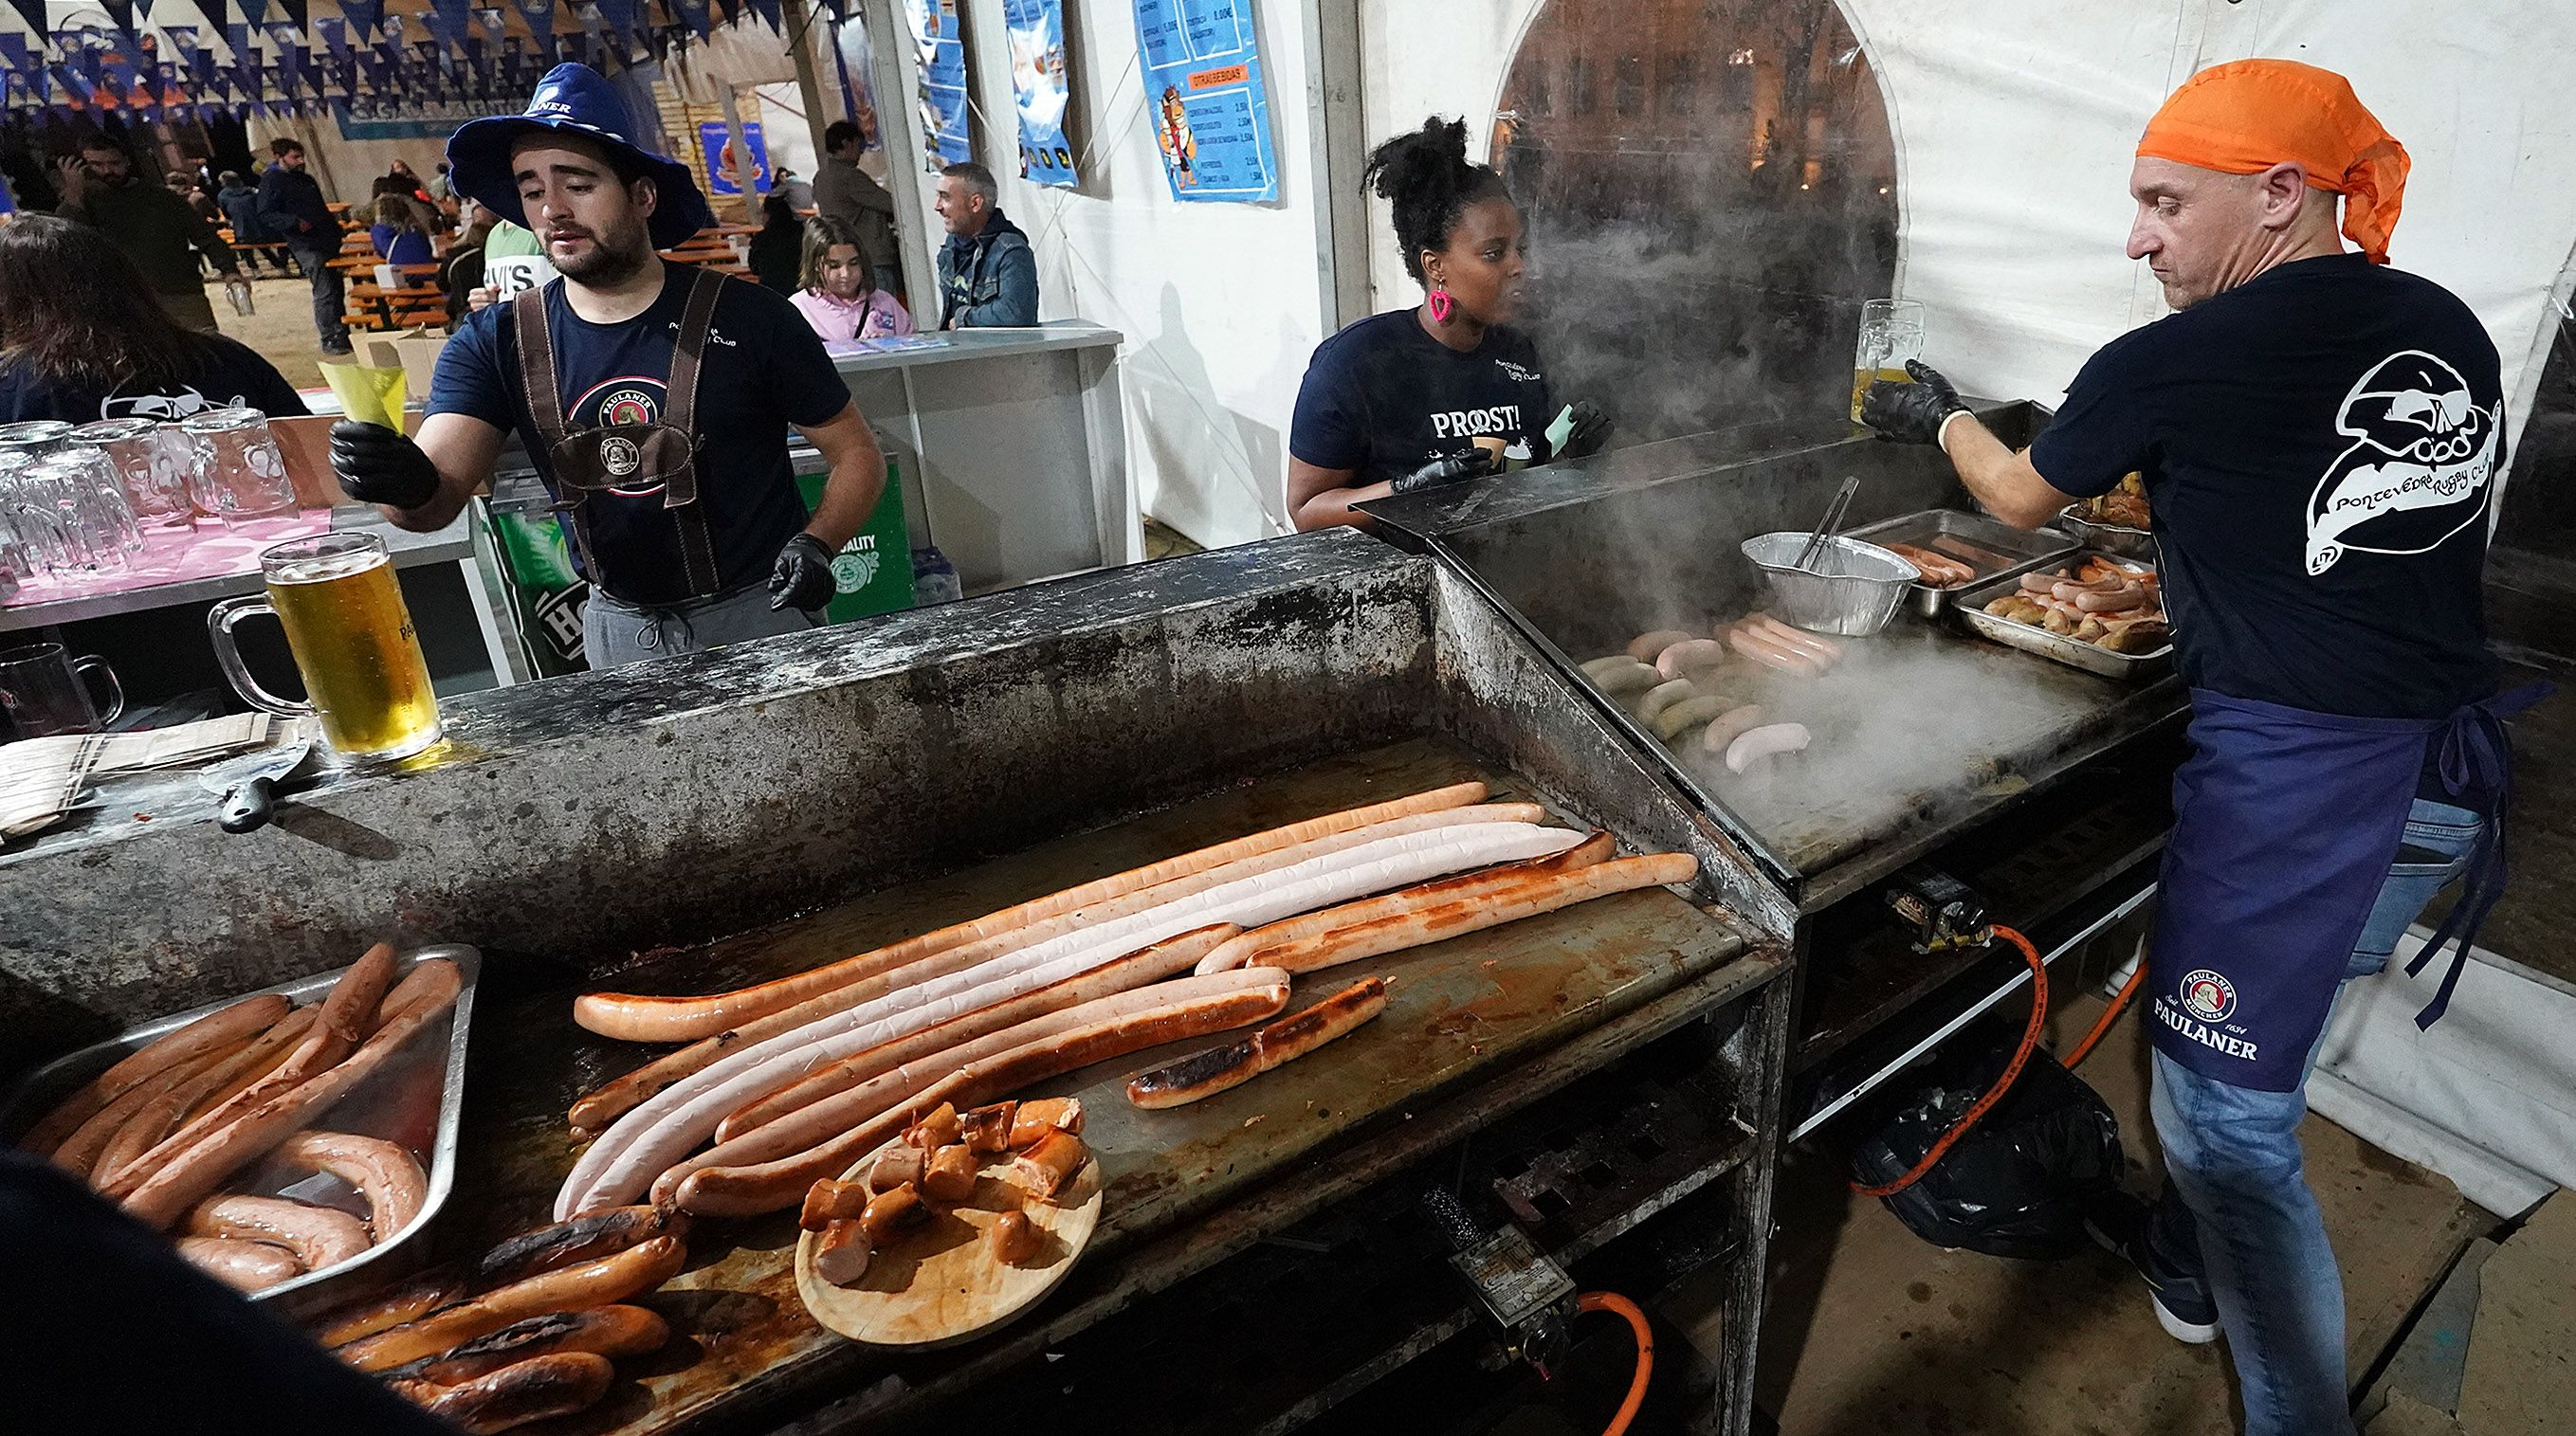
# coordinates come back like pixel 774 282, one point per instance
pixel 778 250
pixel 837 291
pixel 81 338
pixel 398 233
pixel 1445 390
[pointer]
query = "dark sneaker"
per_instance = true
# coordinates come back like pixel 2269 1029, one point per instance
pixel 2119 1225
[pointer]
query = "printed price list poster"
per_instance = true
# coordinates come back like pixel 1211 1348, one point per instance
pixel 941 41
pixel 1209 102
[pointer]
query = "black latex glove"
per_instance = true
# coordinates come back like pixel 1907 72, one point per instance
pixel 1911 413
pixel 378 466
pixel 1468 463
pixel 1591 429
pixel 802 577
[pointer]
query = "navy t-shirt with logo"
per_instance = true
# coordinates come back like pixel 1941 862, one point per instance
pixel 2319 445
pixel 227 375
pixel 1382 398
pixel 764 370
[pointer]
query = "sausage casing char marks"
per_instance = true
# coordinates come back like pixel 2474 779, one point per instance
pixel 530 1390
pixel 1203 1074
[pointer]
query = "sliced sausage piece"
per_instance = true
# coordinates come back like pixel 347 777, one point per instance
pixel 939 1129
pixel 950 1176
pixel 531 1390
pixel 901 1165
pixel 988 1128
pixel 842 1252
pixel 1765 742
pixel 219 1029
pixel 1042 1115
pixel 828 1201
pixel 241 1265
pixel 1647 647
pixel 1015 1239
pixel 636 1018
pixel 890 1212
pixel 320 1237
pixel 385 1173
pixel 1047 1166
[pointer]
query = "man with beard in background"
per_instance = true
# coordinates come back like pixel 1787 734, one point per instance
pixel 155 228
pixel 2319 435
pixel 655 399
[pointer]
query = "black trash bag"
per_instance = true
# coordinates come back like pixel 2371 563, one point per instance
pixel 2018 1184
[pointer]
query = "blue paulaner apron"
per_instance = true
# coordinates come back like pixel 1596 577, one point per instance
pixel 2285 824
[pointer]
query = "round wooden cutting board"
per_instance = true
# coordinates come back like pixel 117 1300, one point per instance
pixel 938 1283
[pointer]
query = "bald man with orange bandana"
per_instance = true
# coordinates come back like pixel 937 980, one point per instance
pixel 2320 436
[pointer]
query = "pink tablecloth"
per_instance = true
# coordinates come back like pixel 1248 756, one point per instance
pixel 173 556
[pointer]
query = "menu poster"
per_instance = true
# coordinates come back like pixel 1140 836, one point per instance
pixel 1208 102
pixel 940 37
pixel 1038 87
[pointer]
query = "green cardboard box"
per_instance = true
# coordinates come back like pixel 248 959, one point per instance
pixel 873 571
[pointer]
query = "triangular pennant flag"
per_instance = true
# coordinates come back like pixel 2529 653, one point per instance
pixel 693 13
pixel 255 11
pixel 769 13
pixel 335 37
pixel 295 11
pixel 540 15
pixel 363 15
pixel 215 13
pixel 34 12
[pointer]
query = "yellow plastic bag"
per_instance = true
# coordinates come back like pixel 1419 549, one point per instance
pixel 368 394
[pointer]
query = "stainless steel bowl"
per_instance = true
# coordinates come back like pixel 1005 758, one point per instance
pixel 2117 539
pixel 1851 589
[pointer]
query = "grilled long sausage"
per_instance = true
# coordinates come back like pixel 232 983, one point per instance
pixel 349 1012
pixel 1235 952
pixel 1647 647
pixel 1692 713
pixel 1757 744
pixel 1815 646
pixel 386 1174
pixel 1204 1074
pixel 665 1130
pixel 244 1019
pixel 587 1237
pixel 1694 656
pixel 410 1301
pixel 211 1084
pixel 1436 921
pixel 1726 728
pixel 916 1086
pixel 178 1184
pixel 320 1237
pixel 649 1139
pixel 242 1265
pixel 605 1282
pixel 531 1390
pixel 1770 652
pixel 80 1152
pixel 599 1330
pixel 672 1019
pixel 744 1191
pixel 1154 963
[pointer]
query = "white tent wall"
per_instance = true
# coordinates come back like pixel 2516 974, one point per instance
pixel 2016 121
pixel 1221 303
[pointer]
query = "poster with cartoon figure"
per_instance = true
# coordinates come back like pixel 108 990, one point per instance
pixel 1039 91
pixel 1211 104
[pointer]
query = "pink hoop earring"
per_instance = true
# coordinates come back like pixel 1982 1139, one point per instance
pixel 1440 305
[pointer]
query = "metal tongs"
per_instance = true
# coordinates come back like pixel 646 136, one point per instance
pixel 1828 526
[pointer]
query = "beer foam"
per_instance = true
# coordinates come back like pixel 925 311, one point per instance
pixel 322 568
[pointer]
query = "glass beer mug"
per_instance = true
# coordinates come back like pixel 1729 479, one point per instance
pixel 336 597
pixel 1891 332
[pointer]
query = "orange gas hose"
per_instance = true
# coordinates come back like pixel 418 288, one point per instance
pixel 1613 1301
pixel 2110 1014
pixel 2012 1071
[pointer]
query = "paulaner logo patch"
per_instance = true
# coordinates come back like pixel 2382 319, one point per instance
pixel 2419 468
pixel 2205 997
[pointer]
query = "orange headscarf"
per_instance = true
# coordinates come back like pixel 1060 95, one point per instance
pixel 2246 116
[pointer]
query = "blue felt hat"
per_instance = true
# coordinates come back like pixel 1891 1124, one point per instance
pixel 579 99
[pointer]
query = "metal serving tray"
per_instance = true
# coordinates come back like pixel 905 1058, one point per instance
pixel 57 1079
pixel 2020 550
pixel 2116 540
pixel 1970 608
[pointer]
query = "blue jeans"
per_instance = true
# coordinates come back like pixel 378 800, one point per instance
pixel 2236 1194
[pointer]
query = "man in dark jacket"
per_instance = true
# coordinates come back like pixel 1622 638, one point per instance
pixel 988 275
pixel 153 226
pixel 290 201
pixel 252 238
pixel 849 194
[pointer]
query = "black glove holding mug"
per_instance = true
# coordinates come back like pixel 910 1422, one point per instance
pixel 1911 413
pixel 378 466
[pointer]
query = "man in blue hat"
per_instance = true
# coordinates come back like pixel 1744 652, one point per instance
pixel 658 413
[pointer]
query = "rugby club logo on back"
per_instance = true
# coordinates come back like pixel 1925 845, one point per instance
pixel 2418 469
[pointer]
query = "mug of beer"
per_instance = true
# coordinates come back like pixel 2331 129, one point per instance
pixel 1891 332
pixel 336 597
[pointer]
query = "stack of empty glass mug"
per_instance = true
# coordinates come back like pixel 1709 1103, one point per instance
pixel 79 502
